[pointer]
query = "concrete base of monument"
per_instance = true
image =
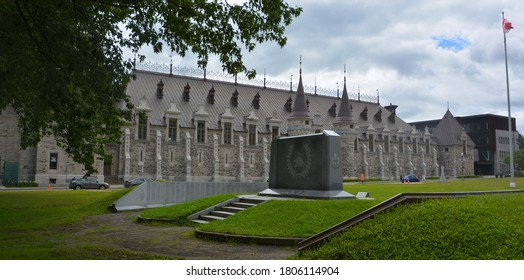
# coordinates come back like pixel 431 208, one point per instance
pixel 311 194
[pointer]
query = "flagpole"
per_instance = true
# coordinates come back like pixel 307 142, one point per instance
pixel 511 165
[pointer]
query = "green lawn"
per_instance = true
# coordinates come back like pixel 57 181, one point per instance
pixel 34 224
pixel 303 218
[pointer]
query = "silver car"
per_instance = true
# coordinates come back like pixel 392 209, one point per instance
pixel 79 183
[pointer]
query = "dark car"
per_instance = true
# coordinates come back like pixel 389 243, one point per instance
pixel 409 178
pixel 136 182
pixel 79 183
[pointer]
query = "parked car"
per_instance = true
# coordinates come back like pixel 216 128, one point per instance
pixel 79 183
pixel 409 178
pixel 136 182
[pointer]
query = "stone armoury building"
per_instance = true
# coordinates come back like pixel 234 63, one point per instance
pixel 196 129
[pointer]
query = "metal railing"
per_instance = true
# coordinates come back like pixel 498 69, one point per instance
pixel 259 82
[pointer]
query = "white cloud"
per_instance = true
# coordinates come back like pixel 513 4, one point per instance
pixel 392 44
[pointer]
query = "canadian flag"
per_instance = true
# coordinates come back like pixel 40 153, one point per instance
pixel 506 25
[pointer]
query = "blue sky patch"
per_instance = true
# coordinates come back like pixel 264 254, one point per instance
pixel 456 44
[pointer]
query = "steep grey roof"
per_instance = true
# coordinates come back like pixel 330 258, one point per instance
pixel 449 131
pixel 300 105
pixel 271 102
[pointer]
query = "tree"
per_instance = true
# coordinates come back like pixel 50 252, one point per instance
pixel 520 141
pixel 518 158
pixel 62 68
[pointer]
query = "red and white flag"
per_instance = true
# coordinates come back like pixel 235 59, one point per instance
pixel 506 25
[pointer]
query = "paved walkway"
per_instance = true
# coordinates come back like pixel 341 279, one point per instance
pixel 120 230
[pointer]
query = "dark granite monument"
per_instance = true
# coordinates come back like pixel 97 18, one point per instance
pixel 307 166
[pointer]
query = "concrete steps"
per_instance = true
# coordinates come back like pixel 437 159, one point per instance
pixel 221 212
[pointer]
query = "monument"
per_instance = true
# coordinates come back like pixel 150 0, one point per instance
pixel 306 166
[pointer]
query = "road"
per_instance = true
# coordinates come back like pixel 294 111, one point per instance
pixel 53 188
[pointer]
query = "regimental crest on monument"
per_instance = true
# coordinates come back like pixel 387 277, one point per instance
pixel 298 161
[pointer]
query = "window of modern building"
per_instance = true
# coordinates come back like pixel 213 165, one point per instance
pixel 53 161
pixel 172 131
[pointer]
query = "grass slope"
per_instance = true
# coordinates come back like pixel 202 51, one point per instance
pixel 476 227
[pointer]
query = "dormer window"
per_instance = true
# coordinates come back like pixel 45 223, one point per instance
pixel 364 113
pixel 289 104
pixel 307 104
pixel 211 96
pixel 378 115
pixel 185 93
pixel 160 89
pixel 333 110
pixel 234 99
pixel 391 117
pixel 256 101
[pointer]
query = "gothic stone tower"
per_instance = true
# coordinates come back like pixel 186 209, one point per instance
pixel 345 126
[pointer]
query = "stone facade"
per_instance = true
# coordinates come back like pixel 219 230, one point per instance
pixel 205 130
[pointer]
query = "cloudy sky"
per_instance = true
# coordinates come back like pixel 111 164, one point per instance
pixel 419 54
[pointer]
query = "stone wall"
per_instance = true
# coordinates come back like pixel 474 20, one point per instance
pixel 10 149
pixel 66 167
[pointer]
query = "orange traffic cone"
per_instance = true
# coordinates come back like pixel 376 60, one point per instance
pixel 49 187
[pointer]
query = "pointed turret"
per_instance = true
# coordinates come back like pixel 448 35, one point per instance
pixel 299 121
pixel 344 113
pixel 300 105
